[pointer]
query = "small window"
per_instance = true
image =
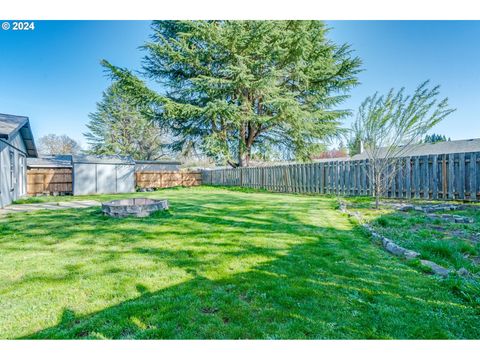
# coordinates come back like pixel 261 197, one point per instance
pixel 12 170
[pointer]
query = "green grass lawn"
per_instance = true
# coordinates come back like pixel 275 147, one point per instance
pixel 220 264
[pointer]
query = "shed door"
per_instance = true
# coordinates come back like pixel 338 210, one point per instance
pixel 106 179
pixel 125 178
pixel 84 179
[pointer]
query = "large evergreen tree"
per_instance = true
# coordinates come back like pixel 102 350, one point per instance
pixel 121 126
pixel 234 88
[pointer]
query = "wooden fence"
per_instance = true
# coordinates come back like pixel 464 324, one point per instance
pixel 52 181
pixel 164 179
pixel 446 176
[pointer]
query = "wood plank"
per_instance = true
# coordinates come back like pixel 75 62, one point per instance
pixel 400 178
pixel 451 176
pixel 393 183
pixel 416 176
pixel 304 178
pixel 357 178
pixel 434 179
pixel 287 178
pixel 294 182
pixel 322 178
pixel 299 179
pixel 363 178
pixel 347 178
pixel 444 177
pixel 461 176
pixel 425 176
pixel 327 177
pixel 473 176
pixel 307 178
pixel 336 178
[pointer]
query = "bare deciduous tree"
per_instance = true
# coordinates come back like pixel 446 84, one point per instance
pixel 390 125
pixel 52 144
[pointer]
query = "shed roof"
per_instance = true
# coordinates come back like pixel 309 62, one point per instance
pixel 50 161
pixel 444 147
pixel 102 159
pixel 10 125
pixel 160 162
pixel 345 158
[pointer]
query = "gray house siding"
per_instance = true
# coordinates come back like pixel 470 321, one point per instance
pixel 13 175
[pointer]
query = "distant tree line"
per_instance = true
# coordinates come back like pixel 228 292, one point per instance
pixel 434 138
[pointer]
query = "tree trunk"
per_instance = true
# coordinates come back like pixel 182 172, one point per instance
pixel 248 156
pixel 240 160
pixel 377 191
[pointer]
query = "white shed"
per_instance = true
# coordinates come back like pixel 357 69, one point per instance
pixel 102 174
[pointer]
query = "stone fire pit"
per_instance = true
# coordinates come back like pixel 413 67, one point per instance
pixel 139 207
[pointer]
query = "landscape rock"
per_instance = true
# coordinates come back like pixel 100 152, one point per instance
pixel 436 269
pixel 428 208
pixel 452 218
pixel 387 244
pixel 397 250
pixel 463 272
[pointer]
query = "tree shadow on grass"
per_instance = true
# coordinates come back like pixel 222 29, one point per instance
pixel 303 294
pixel 306 281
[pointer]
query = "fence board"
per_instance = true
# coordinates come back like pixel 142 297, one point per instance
pixel 164 179
pixel 434 177
pixel 416 176
pixel 49 181
pixel 473 176
pixel 461 176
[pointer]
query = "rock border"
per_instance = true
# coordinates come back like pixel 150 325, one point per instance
pixel 451 218
pixel 430 208
pixel 394 249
